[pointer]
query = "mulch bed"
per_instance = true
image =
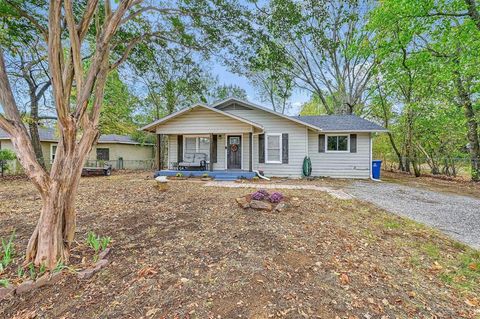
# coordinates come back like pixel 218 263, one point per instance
pixel 192 252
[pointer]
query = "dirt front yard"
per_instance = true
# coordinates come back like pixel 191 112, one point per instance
pixel 192 252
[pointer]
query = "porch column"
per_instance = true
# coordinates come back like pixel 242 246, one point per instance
pixel 211 152
pixel 250 151
pixel 159 152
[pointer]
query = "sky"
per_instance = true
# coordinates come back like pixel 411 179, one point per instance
pixel 226 77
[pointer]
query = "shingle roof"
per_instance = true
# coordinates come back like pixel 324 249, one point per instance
pixel 331 123
pixel 49 135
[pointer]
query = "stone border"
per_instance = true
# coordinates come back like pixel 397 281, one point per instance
pixel 50 279
pixel 336 193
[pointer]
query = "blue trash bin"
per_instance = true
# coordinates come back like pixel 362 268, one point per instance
pixel 376 166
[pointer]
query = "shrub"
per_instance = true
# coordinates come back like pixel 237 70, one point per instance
pixel 5 157
pixel 179 175
pixel 276 197
pixel 205 175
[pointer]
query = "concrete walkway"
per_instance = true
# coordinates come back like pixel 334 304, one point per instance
pixel 455 215
pixel 333 192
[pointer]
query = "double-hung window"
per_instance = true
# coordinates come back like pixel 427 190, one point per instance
pixel 273 148
pixel 337 143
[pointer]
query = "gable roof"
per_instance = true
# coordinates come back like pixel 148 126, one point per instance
pixel 150 127
pixel 253 105
pixel 341 123
pixel 49 135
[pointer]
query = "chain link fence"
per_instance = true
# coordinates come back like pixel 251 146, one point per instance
pixel 14 167
pixel 453 167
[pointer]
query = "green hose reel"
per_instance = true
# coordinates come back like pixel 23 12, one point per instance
pixel 307 167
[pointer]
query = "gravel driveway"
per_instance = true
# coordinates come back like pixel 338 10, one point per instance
pixel 455 215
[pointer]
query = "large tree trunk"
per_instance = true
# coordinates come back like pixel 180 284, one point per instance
pixel 472 127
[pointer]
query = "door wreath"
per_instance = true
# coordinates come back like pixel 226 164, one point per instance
pixel 234 147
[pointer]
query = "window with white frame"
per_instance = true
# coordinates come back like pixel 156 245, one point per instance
pixel 197 144
pixel 53 150
pixel 273 148
pixel 337 143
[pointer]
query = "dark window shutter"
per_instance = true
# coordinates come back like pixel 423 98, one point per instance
pixel 179 148
pixel 353 143
pixel 214 149
pixel 261 148
pixel 321 143
pixel 285 148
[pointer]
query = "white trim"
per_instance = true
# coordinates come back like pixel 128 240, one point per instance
pixel 194 106
pixel 370 155
pixel 51 152
pixel 241 149
pixel 266 148
pixel 331 135
pixel 197 142
pixel 215 105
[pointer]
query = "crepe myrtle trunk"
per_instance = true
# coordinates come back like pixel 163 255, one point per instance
pixel 55 229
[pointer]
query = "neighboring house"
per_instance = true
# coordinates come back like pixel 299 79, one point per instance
pixel 109 148
pixel 239 135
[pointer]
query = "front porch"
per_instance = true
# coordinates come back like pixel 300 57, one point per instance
pixel 219 175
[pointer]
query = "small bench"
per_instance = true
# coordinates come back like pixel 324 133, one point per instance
pixel 193 161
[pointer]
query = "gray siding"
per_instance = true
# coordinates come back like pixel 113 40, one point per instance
pixel 340 165
pixel 275 124
pixel 302 141
pixel 200 120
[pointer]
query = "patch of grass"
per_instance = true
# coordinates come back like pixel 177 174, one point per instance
pixel 464 271
pixel 431 250
pixel 392 224
pixel 4 283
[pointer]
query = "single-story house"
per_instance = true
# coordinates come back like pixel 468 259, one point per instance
pixel 237 135
pixel 121 151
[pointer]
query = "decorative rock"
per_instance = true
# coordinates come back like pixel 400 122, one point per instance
pixel 5 292
pixel 256 204
pixel 280 206
pixel 55 277
pixel 242 201
pixel 104 253
pixel 25 287
pixel 86 274
pixel 42 281
pixel 102 263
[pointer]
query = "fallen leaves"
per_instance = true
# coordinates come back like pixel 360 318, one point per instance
pixel 146 272
pixel 344 279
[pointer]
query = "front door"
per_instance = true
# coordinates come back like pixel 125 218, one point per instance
pixel 234 152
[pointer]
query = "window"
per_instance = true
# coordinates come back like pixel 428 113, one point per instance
pixel 103 154
pixel 273 148
pixel 337 143
pixel 53 150
pixel 196 144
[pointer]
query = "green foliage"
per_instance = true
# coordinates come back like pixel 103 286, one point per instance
pixel 179 175
pixel 7 252
pixel 4 283
pixel 224 91
pixel 96 242
pixel 5 157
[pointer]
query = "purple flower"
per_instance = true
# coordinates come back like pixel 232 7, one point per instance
pixel 276 197
pixel 258 196
pixel 263 191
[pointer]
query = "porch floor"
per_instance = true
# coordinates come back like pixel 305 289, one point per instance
pixel 219 175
